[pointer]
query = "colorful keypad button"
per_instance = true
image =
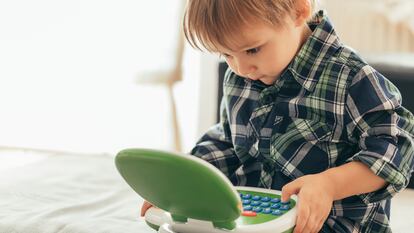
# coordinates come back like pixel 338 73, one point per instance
pixel 255 203
pixel 249 213
pixel 257 209
pixel 265 199
pixel 275 200
pixel 246 196
pixel 277 212
pixel 246 202
pixel 262 204
pixel 267 211
pixel 285 207
pixel 285 202
pixel 275 206
pixel 265 204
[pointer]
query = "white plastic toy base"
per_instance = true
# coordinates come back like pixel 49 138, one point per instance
pixel 282 224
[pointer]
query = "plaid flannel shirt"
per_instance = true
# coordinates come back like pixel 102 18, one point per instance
pixel 326 109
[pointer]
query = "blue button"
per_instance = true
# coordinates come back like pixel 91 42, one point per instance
pixel 246 196
pixel 285 207
pixel 275 200
pixel 256 198
pixel 267 211
pixel 275 206
pixel 257 209
pixel 247 207
pixel 277 212
pixel 285 202
pixel 255 203
pixel 265 199
pixel 246 202
pixel 265 204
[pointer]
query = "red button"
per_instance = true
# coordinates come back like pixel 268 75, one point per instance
pixel 249 213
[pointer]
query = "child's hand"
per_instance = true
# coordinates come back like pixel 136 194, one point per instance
pixel 315 196
pixel 145 207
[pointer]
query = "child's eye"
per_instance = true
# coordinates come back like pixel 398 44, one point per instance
pixel 253 51
pixel 225 55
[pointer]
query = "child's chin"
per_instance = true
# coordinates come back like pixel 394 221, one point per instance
pixel 268 81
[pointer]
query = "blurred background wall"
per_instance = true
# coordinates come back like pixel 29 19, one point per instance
pixel 71 72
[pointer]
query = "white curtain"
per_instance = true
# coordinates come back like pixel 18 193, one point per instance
pixel 374 26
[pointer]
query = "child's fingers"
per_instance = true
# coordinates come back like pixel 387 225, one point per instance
pixel 318 226
pixel 311 224
pixel 145 207
pixel 302 218
pixel 290 189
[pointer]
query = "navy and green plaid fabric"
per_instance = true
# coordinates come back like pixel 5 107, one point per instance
pixel 326 109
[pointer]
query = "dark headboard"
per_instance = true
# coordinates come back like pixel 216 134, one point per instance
pixel 401 74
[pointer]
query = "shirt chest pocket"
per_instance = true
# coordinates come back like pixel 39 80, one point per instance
pixel 298 146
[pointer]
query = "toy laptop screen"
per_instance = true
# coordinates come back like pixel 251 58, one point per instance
pixel 183 185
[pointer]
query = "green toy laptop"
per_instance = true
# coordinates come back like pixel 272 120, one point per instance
pixel 194 196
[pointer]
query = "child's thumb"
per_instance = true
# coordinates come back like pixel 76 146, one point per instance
pixel 290 189
pixel 145 207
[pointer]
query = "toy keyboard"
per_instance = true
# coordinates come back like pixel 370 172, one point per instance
pixel 194 196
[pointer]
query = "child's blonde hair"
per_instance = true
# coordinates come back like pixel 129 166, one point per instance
pixel 211 23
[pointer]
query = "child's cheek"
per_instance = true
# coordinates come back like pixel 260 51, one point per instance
pixel 231 65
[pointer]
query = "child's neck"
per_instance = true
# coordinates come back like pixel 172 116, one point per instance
pixel 306 33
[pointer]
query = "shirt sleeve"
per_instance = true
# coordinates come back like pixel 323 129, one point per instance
pixel 383 130
pixel 216 147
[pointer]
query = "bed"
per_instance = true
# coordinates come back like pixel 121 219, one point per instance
pixel 58 192
pixel 65 193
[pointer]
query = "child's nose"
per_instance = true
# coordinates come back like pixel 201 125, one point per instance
pixel 245 69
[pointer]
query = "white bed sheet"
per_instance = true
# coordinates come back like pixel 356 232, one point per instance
pixel 68 194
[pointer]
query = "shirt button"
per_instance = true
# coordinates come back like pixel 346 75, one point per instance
pixel 267 99
pixel 256 145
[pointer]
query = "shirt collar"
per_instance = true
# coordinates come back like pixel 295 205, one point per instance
pixel 308 64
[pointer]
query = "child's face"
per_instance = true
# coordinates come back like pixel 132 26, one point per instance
pixel 264 51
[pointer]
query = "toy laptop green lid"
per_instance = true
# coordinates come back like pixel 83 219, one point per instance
pixel 194 196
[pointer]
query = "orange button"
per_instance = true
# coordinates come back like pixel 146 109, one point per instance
pixel 249 213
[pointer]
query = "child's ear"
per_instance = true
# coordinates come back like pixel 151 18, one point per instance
pixel 302 12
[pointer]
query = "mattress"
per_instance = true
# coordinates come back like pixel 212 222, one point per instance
pixel 66 193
